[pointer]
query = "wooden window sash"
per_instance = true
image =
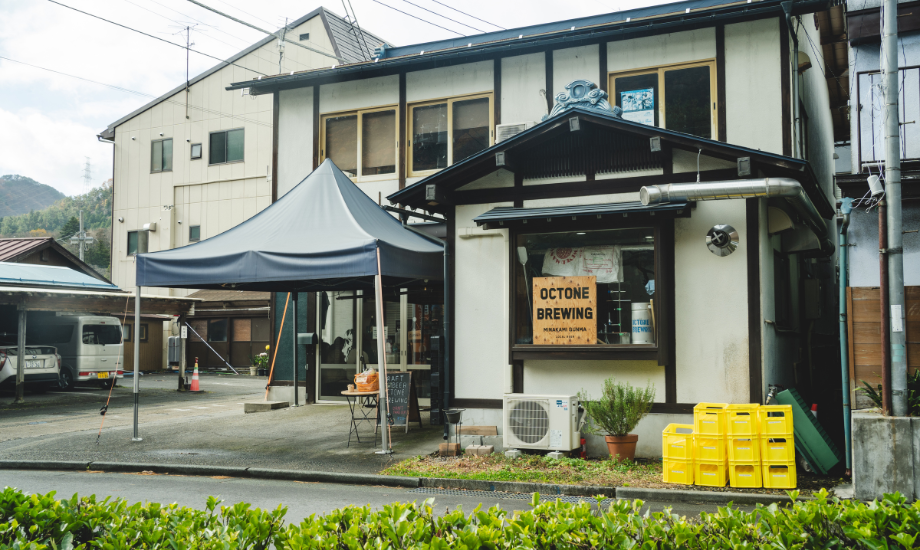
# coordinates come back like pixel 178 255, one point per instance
pixel 449 101
pixel 361 178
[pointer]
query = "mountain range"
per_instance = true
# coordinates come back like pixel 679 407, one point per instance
pixel 21 195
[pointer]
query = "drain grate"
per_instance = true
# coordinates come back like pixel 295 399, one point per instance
pixel 484 495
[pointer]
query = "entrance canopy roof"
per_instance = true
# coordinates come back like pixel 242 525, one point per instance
pixel 324 234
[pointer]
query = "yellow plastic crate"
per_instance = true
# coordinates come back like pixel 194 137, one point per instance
pixel 742 420
pixel 676 442
pixel 775 420
pixel 709 419
pixel 777 449
pixel 744 474
pixel 709 448
pixel 710 474
pixel 779 475
pixel 744 449
pixel 678 471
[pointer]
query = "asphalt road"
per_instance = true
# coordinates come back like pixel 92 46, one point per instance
pixel 301 499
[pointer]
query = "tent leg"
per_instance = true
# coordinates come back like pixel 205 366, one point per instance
pixel 294 330
pixel 385 443
pixel 137 358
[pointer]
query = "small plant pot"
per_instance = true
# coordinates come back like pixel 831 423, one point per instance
pixel 622 447
pixel 253 371
pixel 263 372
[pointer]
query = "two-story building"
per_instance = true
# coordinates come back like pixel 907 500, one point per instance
pixel 679 157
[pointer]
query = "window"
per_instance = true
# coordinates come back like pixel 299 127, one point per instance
pixel 161 155
pixel 445 132
pixel 44 255
pixel 305 36
pixel 132 242
pixel 194 233
pixel 217 330
pixel 196 151
pixel 49 335
pixel 618 305
pixel 142 333
pixel 126 332
pixel 679 98
pixel 101 334
pixel 362 144
pixel 226 146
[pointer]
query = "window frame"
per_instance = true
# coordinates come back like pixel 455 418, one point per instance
pixel 450 100
pixel 172 156
pixel 660 107
pixel 126 332
pixel 227 131
pixel 192 151
pixel 143 334
pixel 128 242
pixel 190 239
pixel 661 350
pixel 359 177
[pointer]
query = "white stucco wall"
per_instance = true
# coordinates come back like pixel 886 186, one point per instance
pixel 662 49
pixel 574 64
pixel 469 78
pixel 359 94
pixel 523 88
pixel 295 138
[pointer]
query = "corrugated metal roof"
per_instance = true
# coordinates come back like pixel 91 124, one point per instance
pixel 508 213
pixel 11 249
pixel 50 276
pixel 344 42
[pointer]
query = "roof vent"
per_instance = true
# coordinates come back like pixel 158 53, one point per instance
pixel 505 131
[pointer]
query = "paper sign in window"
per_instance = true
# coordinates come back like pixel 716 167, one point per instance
pixel 639 105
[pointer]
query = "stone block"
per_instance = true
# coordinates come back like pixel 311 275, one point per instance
pixel 555 454
pixel 472 450
pixel 264 406
pixel 495 441
pixel 486 450
pixel 883 456
pixel 513 453
pixel 467 440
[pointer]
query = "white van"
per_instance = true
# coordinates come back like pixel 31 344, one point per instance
pixel 90 347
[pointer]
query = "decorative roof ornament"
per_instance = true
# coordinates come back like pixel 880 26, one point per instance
pixel 583 93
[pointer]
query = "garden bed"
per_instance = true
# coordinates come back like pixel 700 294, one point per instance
pixel 642 473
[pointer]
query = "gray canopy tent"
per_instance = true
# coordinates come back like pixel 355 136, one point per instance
pixel 324 234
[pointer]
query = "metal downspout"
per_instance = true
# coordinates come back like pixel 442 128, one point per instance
pixel 846 205
pixel 796 152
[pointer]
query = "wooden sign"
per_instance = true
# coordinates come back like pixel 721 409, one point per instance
pixel 564 311
pixel 402 399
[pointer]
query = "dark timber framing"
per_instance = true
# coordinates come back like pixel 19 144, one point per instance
pixel 316 118
pixel 755 323
pixel 276 115
pixel 722 125
pixel 401 144
pixel 548 61
pixel 602 65
pixel 496 93
pixel 786 87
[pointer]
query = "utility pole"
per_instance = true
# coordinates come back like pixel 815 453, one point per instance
pixel 889 68
pixel 188 45
pixel 280 57
pixel 81 239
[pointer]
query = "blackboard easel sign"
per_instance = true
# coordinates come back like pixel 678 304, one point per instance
pixel 402 399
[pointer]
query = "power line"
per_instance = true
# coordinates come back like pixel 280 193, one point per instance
pixel 154 37
pixel 468 15
pixel 250 25
pixel 135 92
pixel 355 17
pixel 444 16
pixel 416 17
pixel 246 12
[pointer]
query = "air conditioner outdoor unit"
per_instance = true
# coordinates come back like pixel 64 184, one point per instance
pixel 550 422
pixel 505 131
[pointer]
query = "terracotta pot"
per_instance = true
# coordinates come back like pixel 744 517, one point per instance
pixel 622 446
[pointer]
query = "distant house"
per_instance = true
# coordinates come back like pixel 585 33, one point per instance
pixel 228 325
pixel 43 251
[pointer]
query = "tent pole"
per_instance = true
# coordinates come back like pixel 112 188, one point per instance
pixel 385 443
pixel 137 357
pixel 294 330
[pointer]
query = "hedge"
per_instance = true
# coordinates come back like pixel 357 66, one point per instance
pixel 40 521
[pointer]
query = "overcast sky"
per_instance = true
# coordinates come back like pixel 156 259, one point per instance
pixel 49 122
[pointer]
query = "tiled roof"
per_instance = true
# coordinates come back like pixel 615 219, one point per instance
pixel 13 249
pixel 230 295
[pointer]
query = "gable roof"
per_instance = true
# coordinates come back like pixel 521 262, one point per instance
pixel 16 250
pixel 636 136
pixel 344 43
pixel 671 17
pixel 50 276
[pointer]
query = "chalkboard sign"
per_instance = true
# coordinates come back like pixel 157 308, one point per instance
pixel 402 400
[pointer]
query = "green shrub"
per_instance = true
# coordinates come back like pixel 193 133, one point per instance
pixel 619 408
pixel 39 522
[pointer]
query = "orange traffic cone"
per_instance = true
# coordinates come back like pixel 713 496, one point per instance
pixel 195 378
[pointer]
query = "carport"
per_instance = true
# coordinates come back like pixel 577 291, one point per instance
pixel 324 235
pixel 27 287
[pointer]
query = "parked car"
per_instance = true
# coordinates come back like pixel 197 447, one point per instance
pixel 42 367
pixel 91 348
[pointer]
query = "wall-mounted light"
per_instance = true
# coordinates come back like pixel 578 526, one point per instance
pixel 121 220
pixel 133 138
pixel 187 141
pixel 161 134
pixel 180 222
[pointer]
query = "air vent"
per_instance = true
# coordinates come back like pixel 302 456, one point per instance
pixel 505 131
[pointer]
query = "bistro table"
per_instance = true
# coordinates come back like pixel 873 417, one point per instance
pixel 361 404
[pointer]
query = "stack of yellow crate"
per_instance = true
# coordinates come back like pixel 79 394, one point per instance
pixel 710 458
pixel 777 446
pixel 677 453
pixel 743 428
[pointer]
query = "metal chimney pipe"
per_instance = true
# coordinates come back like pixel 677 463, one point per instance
pixel 785 188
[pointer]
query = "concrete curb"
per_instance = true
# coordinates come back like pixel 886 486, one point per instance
pixel 545 489
pixel 708 497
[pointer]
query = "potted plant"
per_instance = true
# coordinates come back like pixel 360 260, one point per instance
pixel 258 362
pixel 616 413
